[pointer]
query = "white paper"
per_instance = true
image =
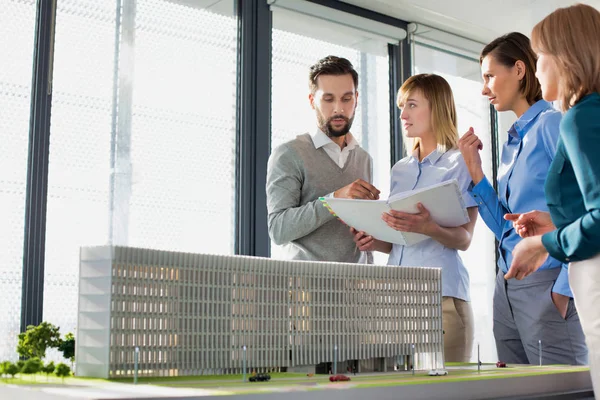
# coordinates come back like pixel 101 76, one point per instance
pixel 444 201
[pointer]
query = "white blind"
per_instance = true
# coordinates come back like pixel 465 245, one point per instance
pixel 444 41
pixel 307 19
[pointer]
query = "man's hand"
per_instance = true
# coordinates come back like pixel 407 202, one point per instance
pixel 366 242
pixel 470 145
pixel 531 223
pixel 363 242
pixel 358 189
pixel 529 254
pixel 420 222
pixel 561 302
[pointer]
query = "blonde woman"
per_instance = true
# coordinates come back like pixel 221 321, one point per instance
pixel 568 67
pixel 429 121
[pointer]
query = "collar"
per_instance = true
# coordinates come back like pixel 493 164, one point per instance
pixel 433 157
pixel 320 139
pixel 520 127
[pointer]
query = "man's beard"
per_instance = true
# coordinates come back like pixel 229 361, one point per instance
pixel 327 126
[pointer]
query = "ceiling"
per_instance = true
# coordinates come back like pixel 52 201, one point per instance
pixel 480 20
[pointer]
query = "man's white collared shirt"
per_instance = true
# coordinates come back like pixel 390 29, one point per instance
pixel 333 150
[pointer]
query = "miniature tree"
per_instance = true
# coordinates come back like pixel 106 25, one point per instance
pixel 20 364
pixel 32 366
pixel 48 369
pixel 67 346
pixel 12 369
pixel 36 339
pixel 3 366
pixel 62 370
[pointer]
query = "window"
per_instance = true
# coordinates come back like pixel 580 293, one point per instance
pixel 155 168
pixel 17 33
pixel 300 41
pixel 183 127
pixel 79 158
pixel 473 111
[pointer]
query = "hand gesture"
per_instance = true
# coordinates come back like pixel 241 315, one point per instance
pixel 470 145
pixel 531 223
pixel 358 189
pixel 420 222
pixel 528 255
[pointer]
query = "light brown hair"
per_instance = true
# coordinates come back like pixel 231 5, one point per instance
pixel 507 50
pixel 571 37
pixel 441 102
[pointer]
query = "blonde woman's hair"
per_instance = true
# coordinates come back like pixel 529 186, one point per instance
pixel 443 110
pixel 571 37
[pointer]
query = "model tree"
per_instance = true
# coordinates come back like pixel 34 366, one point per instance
pixel 12 369
pixel 32 366
pixel 48 369
pixel 67 346
pixel 62 371
pixel 36 339
pixel 3 367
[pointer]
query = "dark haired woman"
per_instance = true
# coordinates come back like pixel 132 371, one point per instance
pixel 537 312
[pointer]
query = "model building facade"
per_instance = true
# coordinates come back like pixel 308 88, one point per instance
pixel 194 314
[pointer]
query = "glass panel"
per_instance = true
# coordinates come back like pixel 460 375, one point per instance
pixel 183 127
pixel 80 133
pixel 172 184
pixel 17 32
pixel 294 51
pixel 473 111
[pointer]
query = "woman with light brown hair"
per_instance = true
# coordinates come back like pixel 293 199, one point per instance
pixel 568 46
pixel 429 121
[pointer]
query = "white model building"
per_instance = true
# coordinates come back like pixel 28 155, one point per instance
pixel 192 314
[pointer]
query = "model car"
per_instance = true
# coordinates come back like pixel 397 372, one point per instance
pixel 438 372
pixel 260 378
pixel 339 378
pixel 501 364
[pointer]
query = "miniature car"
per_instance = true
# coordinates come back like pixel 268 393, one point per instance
pixel 338 378
pixel 438 372
pixel 501 364
pixel 260 378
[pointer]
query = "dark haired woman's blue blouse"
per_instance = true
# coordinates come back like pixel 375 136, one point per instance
pixel 526 158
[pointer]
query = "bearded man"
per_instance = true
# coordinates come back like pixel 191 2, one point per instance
pixel 328 163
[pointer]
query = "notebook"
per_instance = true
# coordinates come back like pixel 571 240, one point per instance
pixel 443 200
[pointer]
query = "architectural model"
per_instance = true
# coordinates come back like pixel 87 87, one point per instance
pixel 176 314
